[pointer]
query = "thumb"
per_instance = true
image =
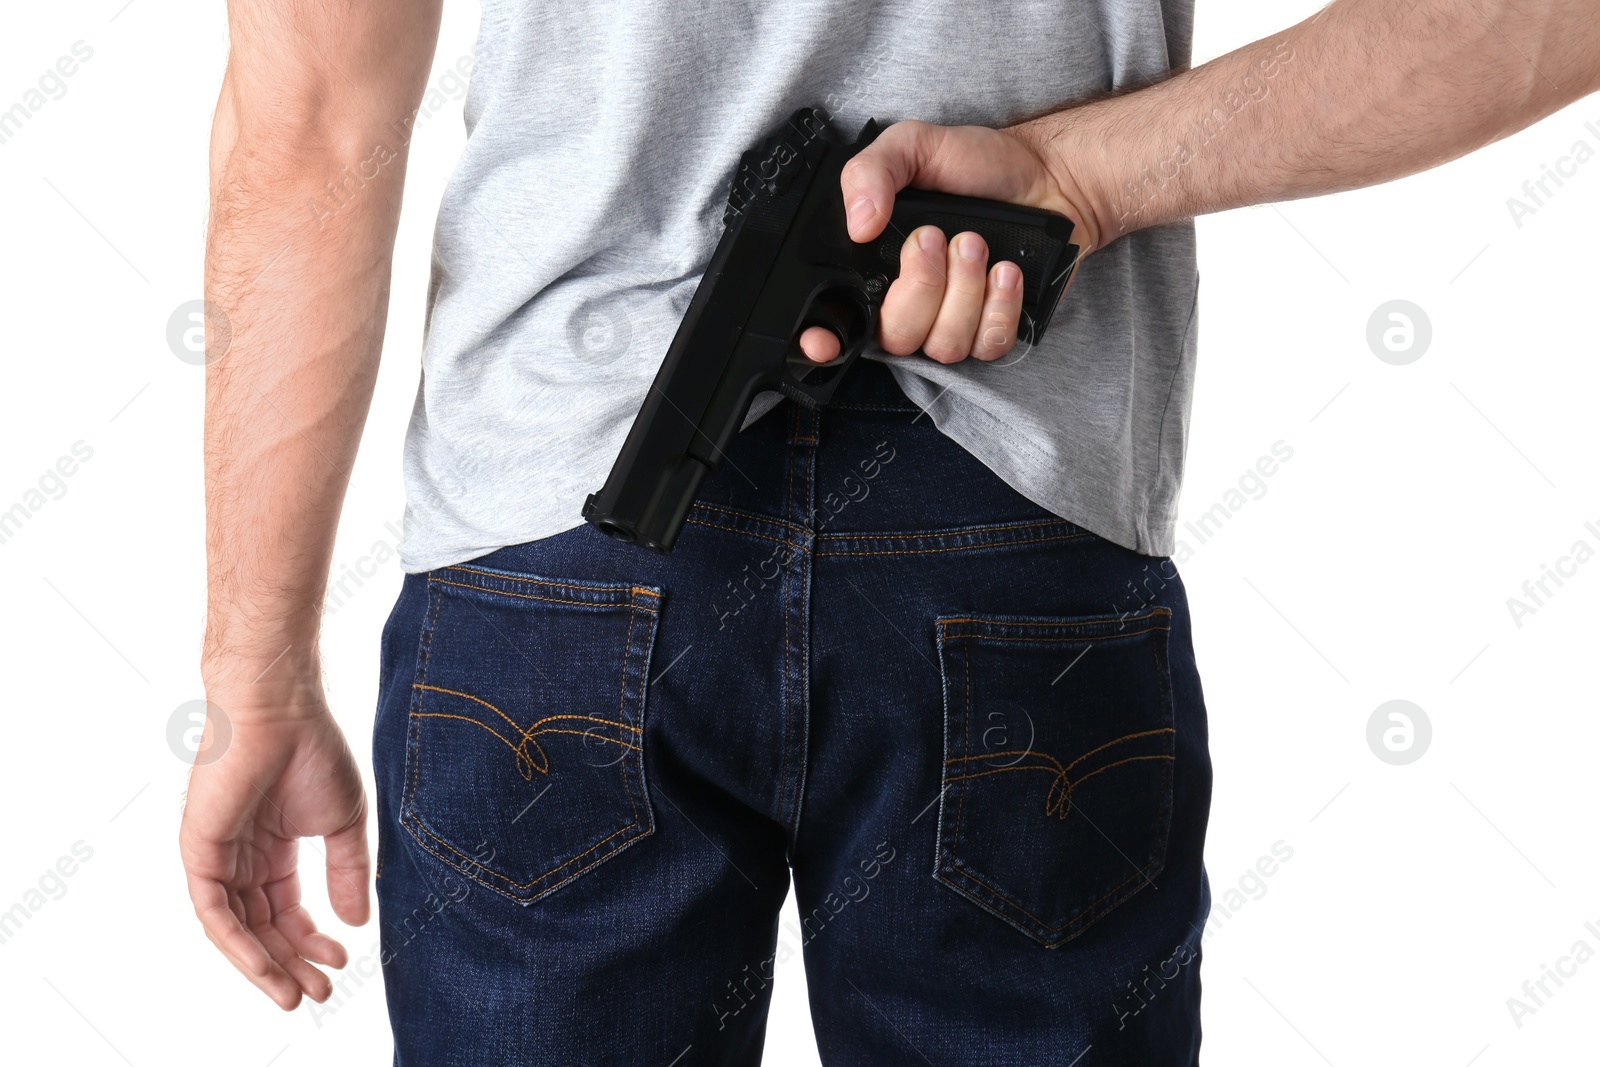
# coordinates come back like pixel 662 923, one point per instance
pixel 874 175
pixel 349 871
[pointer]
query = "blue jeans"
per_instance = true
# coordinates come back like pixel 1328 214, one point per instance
pixel 972 731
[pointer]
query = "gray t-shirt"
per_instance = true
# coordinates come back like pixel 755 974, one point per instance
pixel 602 140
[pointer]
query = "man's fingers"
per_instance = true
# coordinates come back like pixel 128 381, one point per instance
pixel 250 908
pixel 950 339
pixel 240 925
pixel 820 344
pixel 274 981
pixel 318 947
pixel 315 984
pixel 306 978
pixel 870 180
pixel 350 872
pixel 253 907
pixel 912 302
pixel 295 923
pixel 264 924
pixel 243 949
pixel 1002 311
pixel 268 976
pixel 226 931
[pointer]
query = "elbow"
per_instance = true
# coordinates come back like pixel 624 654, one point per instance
pixel 283 116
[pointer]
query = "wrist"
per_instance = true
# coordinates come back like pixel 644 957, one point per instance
pixel 273 669
pixel 1065 143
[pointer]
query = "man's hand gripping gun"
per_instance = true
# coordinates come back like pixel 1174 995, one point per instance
pixel 786 263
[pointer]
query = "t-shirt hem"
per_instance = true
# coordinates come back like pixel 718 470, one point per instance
pixel 963 422
pixel 977 431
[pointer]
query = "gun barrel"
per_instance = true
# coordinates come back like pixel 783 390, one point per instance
pixel 699 397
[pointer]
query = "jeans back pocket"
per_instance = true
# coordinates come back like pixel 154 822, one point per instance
pixel 1057 784
pixel 525 747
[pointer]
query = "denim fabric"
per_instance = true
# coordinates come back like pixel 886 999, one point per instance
pixel 972 731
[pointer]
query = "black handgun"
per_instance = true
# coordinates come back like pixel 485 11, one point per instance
pixel 785 263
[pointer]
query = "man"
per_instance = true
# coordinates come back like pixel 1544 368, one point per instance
pixel 923 649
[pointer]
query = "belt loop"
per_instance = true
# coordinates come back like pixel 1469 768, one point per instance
pixel 803 426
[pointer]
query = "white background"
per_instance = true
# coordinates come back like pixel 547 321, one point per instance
pixel 1377 566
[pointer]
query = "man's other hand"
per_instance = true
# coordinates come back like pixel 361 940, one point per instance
pixel 286 774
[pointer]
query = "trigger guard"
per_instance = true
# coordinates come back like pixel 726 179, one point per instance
pixel 815 394
pixel 838 316
pixel 826 317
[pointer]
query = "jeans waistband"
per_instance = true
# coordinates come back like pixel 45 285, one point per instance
pixel 868 473
pixel 870 384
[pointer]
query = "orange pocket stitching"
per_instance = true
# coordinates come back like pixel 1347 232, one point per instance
pixel 1058 801
pixel 530 596
pixel 528 580
pixel 414 730
pixel 948 548
pixel 754 516
pixel 527 736
pixel 961 805
pixel 622 703
pixel 496 874
pixel 1081 917
pixel 749 533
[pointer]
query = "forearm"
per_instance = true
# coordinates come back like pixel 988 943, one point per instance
pixel 301 270
pixel 285 406
pixel 1364 92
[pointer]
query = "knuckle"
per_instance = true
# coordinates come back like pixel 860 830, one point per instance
pixel 941 350
pixel 919 282
pixel 899 342
pixel 969 284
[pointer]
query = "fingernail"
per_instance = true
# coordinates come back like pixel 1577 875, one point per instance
pixel 860 213
pixel 1006 276
pixel 928 240
pixel 971 247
